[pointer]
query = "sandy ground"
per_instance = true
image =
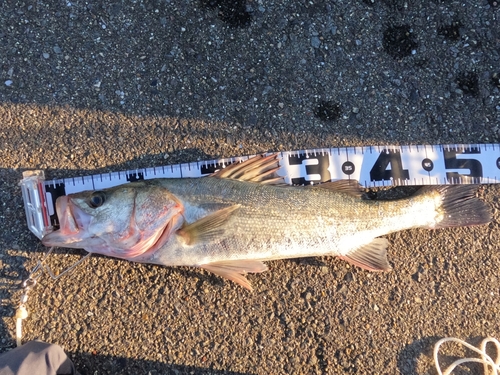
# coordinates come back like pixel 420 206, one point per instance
pixel 92 86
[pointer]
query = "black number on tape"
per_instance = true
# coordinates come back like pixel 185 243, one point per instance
pixel 135 177
pixel 348 168
pixel 427 164
pixel 379 171
pixel 451 162
pixel 321 168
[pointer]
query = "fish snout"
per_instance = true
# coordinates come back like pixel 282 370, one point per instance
pixel 72 224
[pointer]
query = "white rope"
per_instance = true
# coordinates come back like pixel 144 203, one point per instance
pixel 488 363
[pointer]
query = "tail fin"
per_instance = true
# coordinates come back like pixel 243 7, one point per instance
pixel 461 207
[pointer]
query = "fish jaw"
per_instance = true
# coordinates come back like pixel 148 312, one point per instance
pixel 72 221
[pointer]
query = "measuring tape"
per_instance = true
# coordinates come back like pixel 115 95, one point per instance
pixel 372 166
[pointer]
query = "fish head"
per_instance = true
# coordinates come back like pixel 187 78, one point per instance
pixel 125 221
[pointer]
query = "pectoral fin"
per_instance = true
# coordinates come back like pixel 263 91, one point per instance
pixel 371 257
pixel 235 270
pixel 207 228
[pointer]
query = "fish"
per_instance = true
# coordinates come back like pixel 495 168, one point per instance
pixel 231 222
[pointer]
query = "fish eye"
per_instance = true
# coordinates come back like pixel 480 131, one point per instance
pixel 97 199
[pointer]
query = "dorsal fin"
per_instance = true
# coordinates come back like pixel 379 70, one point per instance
pixel 260 168
pixel 350 187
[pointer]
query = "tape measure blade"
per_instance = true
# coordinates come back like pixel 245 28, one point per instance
pixel 426 165
pixel 470 163
pixel 488 157
pixel 304 167
pixel 365 163
pixel 107 180
pixel 76 184
pixel 169 171
pixel 285 170
pixel 492 170
pixel 190 170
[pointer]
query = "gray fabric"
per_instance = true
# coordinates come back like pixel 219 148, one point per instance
pixel 36 357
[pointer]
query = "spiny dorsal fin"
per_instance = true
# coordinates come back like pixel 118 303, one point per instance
pixel 207 228
pixel 371 257
pixel 235 270
pixel 350 187
pixel 257 169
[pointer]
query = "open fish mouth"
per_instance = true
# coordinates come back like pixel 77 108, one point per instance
pixel 72 224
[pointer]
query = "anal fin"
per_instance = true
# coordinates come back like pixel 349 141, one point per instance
pixel 235 270
pixel 371 257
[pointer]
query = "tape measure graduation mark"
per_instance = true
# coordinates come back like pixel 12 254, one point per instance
pixel 372 166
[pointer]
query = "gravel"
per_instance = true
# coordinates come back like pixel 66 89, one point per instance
pixel 98 86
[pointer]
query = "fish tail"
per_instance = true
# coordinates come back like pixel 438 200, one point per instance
pixel 460 207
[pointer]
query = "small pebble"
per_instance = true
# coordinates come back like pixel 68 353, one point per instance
pixel 315 42
pixel 8 82
pixel 46 55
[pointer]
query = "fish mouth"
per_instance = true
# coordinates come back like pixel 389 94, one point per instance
pixel 72 224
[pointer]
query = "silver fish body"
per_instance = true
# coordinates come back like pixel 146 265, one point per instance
pixel 274 222
pixel 229 226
